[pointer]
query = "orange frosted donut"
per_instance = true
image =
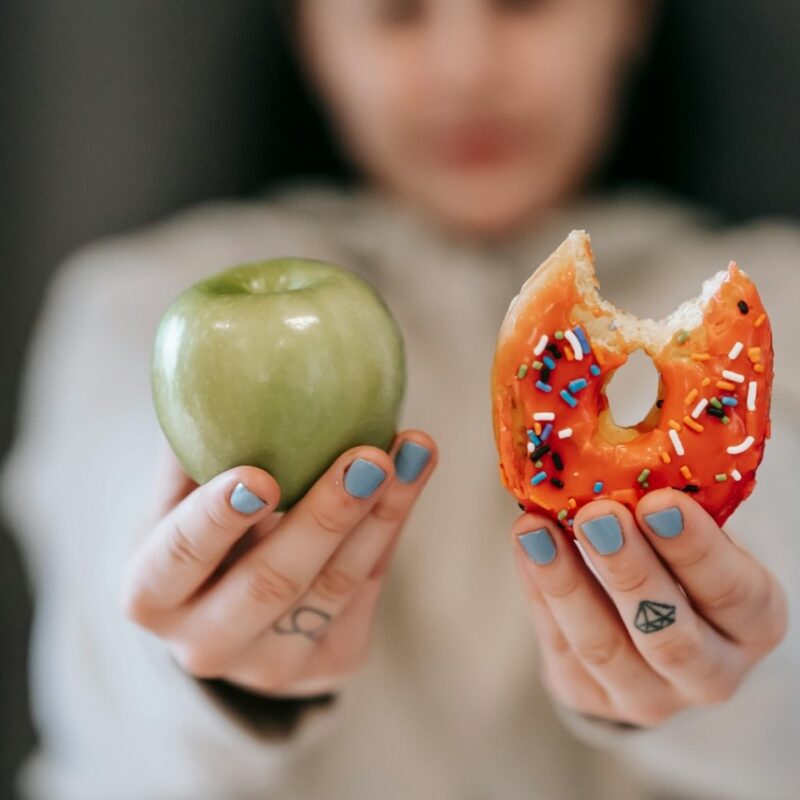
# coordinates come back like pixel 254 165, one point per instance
pixel 559 345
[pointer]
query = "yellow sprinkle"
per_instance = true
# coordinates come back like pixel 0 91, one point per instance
pixel 537 428
pixel 690 398
pixel 758 367
pixel 676 426
pixel 701 356
pixel 568 353
pixel 726 385
pixel 597 312
pixel 686 472
pixel 760 321
pixel 695 426
pixel 540 502
pixel 665 457
pixel 571 502
pixel 705 381
pixel 754 354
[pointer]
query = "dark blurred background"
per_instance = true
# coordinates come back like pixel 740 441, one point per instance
pixel 115 112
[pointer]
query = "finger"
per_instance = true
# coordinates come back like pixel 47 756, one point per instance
pixel 187 545
pixel 725 583
pixel 590 622
pixel 415 456
pixel 272 576
pixel 673 639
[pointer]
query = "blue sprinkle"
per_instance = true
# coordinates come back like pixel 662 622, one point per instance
pixel 533 437
pixel 568 398
pixel 570 521
pixel 578 331
pixel 546 431
pixel 730 401
pixel 538 478
pixel 578 384
pixel 595 370
pixel 598 487
pixel 549 361
pixel 543 387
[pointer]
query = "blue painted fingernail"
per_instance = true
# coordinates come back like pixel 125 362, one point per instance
pixel 410 460
pixel 604 533
pixel 538 545
pixel 667 523
pixel 363 478
pixel 244 501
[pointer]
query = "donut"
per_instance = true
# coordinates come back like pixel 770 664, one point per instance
pixel 559 345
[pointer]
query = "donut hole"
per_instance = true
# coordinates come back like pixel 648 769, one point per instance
pixel 632 393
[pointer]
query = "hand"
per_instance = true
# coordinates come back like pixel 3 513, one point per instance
pixel 648 650
pixel 278 603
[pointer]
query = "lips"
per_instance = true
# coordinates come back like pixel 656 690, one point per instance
pixel 478 144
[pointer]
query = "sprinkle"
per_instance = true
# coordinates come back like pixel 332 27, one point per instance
pixel 760 321
pixel 701 356
pixel 752 391
pixel 598 487
pixel 736 475
pixel 544 416
pixel 698 409
pixel 540 345
pixel 690 397
pixel 559 334
pixel 522 371
pixel 597 312
pixel 659 402
pixel 721 477
pixel 549 361
pixel 705 381
pixel 754 354
pixel 676 426
pixel 574 344
pixel 726 386
pixel 537 428
pixel 538 464
pixel 595 370
pixel 568 353
pixel 562 515
pixel 565 433
pixel 745 444
pixel 735 350
pixel 665 457
pixel 716 403
pixel 686 472
pixel 554 350
pixel 643 475
pixel 571 502
pixel 557 482
pixel 532 436
pixel 538 478
pixel 730 401
pixel 568 398
pixel 676 442
pixel 557 462
pixel 578 384
pixel 695 426
pixel 733 376
pixel 725 420
pixel 541 450
pixel 716 412
pixel 544 374
pixel 543 387
pixel 548 429
pixel 682 336
pixel 531 446
pixel 758 368
pixel 537 364
pixel 743 306
pixel 582 339
pixel 570 521
pixel 691 487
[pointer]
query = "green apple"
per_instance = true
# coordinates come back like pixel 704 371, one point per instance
pixel 279 364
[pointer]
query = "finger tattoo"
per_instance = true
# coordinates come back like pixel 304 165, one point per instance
pixel 652 616
pixel 305 620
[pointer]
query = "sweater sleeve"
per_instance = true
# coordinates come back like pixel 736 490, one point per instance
pixel 116 716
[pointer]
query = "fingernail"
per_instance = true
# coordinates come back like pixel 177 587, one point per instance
pixel 604 533
pixel 538 545
pixel 363 477
pixel 410 460
pixel 244 501
pixel 667 523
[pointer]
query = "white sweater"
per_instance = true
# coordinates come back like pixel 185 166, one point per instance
pixel 450 704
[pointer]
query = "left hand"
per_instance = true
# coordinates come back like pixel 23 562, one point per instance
pixel 620 657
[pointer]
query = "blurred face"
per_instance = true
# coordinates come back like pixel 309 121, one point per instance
pixel 481 113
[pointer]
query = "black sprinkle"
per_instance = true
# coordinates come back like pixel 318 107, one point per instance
pixel 659 403
pixel 521 506
pixel 559 464
pixel 554 350
pixel 557 482
pixel 691 488
pixel 743 306
pixel 544 374
pixel 541 450
pixel 715 412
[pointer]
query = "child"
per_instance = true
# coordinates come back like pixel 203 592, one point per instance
pixel 474 124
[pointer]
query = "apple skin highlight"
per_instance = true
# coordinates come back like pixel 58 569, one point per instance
pixel 281 364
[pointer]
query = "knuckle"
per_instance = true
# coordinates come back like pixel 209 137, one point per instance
pixel 692 558
pixel 269 587
pixel 599 652
pixel 680 649
pixel 181 547
pixel 771 613
pixel 386 511
pixel 652 713
pixel 558 643
pixel 733 592
pixel 198 660
pixel 564 587
pixel 630 583
pixel 328 519
pixel 216 511
pixel 334 584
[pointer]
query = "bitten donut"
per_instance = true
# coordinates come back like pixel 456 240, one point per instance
pixel 559 345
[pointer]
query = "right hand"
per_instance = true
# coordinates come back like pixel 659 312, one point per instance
pixel 274 603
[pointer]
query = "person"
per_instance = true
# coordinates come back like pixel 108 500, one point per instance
pixel 478 654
